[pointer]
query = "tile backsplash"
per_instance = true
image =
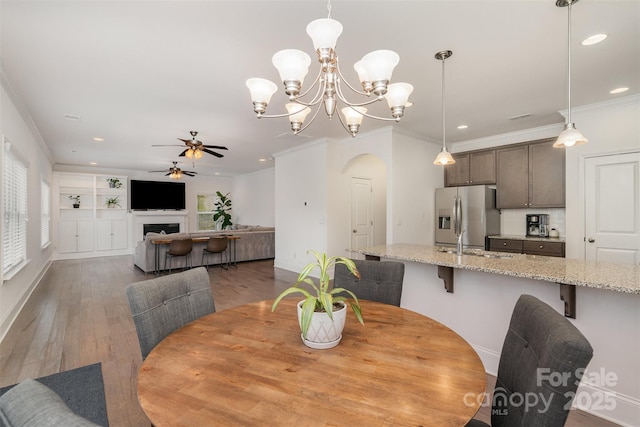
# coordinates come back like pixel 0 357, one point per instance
pixel 513 221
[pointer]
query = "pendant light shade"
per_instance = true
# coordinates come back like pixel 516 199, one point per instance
pixel 570 136
pixel 444 157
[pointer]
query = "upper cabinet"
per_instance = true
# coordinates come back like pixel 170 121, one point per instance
pixel 473 168
pixel 530 176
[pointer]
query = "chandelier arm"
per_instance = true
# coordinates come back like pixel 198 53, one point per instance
pixel 344 124
pixel 276 116
pixel 347 102
pixel 317 97
pixel 359 92
pixel 384 119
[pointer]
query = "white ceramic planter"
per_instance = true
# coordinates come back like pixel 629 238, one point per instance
pixel 323 332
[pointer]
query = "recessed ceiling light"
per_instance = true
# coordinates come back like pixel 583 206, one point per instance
pixel 463 126
pixel 596 38
pixel 71 117
pixel 619 90
pixel 217 173
pixel 262 160
pixel 98 139
pixel 93 163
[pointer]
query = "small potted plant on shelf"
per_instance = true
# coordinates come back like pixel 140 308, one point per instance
pixel 223 207
pixel 112 202
pixel 76 201
pixel 322 316
pixel 114 182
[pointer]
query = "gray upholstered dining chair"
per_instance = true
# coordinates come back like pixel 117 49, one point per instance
pixel 33 404
pixel 179 247
pixel 379 281
pixel 215 245
pixel 543 355
pixel 162 305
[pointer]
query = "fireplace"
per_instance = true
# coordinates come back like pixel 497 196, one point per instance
pixel 173 227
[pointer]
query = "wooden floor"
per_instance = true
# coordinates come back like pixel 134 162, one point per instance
pixel 79 315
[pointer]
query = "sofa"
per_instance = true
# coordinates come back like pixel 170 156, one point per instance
pixel 254 243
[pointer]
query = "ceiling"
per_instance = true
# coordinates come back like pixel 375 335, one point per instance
pixel 139 73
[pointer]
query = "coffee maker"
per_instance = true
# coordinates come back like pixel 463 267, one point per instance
pixel 538 225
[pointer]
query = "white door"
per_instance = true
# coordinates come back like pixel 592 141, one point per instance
pixel 68 239
pixel 103 235
pixel 361 213
pixel 612 208
pixel 86 237
pixel 119 235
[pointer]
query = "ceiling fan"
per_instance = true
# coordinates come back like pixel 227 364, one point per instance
pixel 195 148
pixel 175 172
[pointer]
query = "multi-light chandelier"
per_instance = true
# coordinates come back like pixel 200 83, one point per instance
pixel 570 136
pixel 374 72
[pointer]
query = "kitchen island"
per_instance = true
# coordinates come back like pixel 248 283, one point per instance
pixel 605 303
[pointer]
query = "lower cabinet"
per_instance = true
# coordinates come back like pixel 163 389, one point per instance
pixel 111 234
pixel 76 236
pixel 532 247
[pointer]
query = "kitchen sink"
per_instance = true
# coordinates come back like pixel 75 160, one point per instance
pixel 476 252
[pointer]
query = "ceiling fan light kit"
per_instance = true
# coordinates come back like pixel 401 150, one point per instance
pixel 195 149
pixel 175 172
pixel 570 136
pixel 374 72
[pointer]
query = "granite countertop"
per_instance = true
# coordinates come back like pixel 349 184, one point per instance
pixel 532 238
pixel 609 276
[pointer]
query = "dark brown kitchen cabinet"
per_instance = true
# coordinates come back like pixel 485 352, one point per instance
pixel 473 168
pixel 505 245
pixel 543 248
pixel 530 176
pixel 531 247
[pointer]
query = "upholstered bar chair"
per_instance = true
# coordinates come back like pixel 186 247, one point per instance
pixel 379 281
pixel 162 305
pixel 177 248
pixel 543 355
pixel 215 245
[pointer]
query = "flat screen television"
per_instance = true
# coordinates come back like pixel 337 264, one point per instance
pixel 156 195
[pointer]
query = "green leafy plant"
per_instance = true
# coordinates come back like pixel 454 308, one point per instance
pixel 76 199
pixel 223 207
pixel 114 182
pixel 324 299
pixel 113 202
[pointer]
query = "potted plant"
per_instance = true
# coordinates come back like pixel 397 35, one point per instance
pixel 76 201
pixel 114 182
pixel 112 202
pixel 326 307
pixel 223 207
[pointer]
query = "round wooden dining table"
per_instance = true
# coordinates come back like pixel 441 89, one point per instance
pixel 247 366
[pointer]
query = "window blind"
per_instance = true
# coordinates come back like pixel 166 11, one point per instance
pixel 14 234
pixel 45 213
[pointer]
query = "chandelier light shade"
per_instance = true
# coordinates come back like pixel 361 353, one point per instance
pixel 570 136
pixel 374 71
pixel 444 157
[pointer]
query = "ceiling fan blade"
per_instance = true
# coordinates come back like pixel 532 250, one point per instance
pixel 183 153
pixel 212 152
pixel 168 173
pixel 217 147
pixel 166 145
pixel 157 171
pixel 189 173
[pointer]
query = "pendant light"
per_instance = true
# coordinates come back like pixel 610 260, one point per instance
pixel 570 136
pixel 444 157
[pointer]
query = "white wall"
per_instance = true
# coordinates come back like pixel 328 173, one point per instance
pixel 253 198
pixel 612 127
pixel 27 145
pixel 300 203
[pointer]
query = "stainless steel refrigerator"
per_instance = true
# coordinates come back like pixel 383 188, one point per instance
pixel 473 208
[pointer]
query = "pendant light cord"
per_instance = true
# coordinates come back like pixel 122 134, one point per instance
pixel 444 132
pixel 569 64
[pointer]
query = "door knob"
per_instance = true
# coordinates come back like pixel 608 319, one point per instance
pixel 355 231
pixel 591 240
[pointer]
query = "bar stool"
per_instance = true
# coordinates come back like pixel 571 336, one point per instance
pixel 179 247
pixel 215 245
